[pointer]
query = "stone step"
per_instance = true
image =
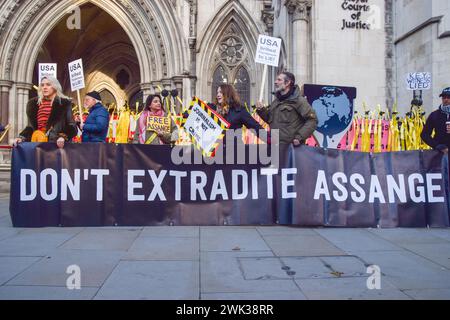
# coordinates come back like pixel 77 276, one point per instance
pixel 5 176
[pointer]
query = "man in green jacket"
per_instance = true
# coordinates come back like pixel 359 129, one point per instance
pixel 290 112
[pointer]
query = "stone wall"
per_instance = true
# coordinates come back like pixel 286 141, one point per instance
pixel 422 30
pixel 350 57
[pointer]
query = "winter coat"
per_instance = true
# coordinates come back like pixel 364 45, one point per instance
pixel 97 124
pixel 437 122
pixel 293 116
pixel 60 122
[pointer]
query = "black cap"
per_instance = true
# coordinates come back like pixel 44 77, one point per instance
pixel 95 95
pixel 445 92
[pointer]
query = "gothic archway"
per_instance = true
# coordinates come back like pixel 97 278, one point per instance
pixel 230 41
pixel 150 26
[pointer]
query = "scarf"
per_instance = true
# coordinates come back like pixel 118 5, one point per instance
pixel 446 109
pixel 143 122
pixel 282 97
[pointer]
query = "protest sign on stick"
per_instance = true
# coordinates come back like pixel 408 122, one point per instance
pixel 77 80
pixel 267 53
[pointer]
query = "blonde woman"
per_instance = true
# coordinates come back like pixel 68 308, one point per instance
pixel 49 115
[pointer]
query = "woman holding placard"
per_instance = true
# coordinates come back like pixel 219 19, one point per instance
pixel 228 105
pixel 154 126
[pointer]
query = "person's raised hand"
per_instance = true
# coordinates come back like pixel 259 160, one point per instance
pixel 60 143
pixel 259 105
pixel 17 141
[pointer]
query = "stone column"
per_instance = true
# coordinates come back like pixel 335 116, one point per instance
pixel 300 11
pixel 192 41
pixel 20 112
pixel 147 89
pixel 5 87
pixel 167 84
pixel 268 17
pixel 178 81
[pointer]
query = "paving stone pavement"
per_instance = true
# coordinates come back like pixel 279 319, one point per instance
pixel 222 263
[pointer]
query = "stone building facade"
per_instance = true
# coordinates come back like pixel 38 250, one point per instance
pixel 131 48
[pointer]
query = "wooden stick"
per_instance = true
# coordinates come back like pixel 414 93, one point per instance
pixel 80 109
pixel 5 133
pixel 263 83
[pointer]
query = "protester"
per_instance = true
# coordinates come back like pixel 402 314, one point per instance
pixel 49 116
pixel 290 112
pixel 439 122
pixel 153 107
pixel 228 105
pixel 96 126
pixel 77 119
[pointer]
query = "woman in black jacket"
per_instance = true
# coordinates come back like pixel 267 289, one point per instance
pixel 228 105
pixel 49 115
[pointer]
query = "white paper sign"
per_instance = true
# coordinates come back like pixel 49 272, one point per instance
pixel 268 51
pixel 203 128
pixel 418 81
pixel 76 74
pixel 47 70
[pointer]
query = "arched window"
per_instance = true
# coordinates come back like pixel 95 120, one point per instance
pixel 220 77
pixel 107 97
pixel 242 85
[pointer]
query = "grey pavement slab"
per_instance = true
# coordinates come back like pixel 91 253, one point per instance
pixel 222 272
pixel 5 221
pixel 263 268
pixel 222 263
pixel 406 270
pixel 159 248
pixel 231 239
pixel 274 295
pixel 33 244
pixel 325 267
pixel 441 233
pixel 103 239
pixel 429 294
pixel 302 245
pixel 176 232
pixel 95 267
pixel 285 231
pixel 409 236
pixel 12 266
pixel 45 293
pixel 7 232
pixel 351 240
pixel 307 267
pixel 155 280
pixel 439 253
pixel 348 289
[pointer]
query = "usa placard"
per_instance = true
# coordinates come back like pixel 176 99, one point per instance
pixel 76 74
pixel 47 70
pixel 268 50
